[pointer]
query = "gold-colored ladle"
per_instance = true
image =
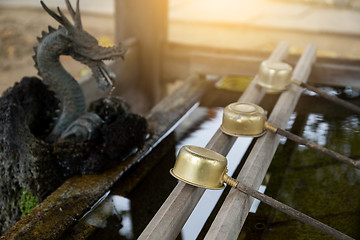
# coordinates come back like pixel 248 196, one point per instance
pixel 277 76
pixel 247 119
pixel 205 168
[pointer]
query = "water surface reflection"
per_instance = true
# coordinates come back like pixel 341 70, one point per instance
pixel 112 206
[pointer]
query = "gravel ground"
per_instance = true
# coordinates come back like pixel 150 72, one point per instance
pixel 19 28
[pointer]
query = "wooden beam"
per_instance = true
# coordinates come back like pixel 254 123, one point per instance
pixel 333 74
pixel 224 65
pixel 232 215
pixel 180 60
pixel 171 217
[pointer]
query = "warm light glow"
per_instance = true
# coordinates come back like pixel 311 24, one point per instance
pixel 262 24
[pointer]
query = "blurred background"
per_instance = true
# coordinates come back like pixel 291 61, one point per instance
pixel 333 25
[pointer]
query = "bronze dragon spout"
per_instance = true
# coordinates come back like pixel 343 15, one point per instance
pixel 72 40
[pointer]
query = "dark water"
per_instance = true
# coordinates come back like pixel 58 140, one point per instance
pixel 306 180
pixel 312 182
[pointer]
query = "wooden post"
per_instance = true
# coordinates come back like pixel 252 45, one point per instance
pixel 147 22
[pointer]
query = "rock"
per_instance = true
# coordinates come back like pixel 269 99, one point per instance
pixel 29 164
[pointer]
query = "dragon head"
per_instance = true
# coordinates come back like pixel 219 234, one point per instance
pixel 85 48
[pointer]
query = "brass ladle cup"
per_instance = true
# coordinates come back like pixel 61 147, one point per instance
pixel 205 168
pixel 247 119
pixel 277 76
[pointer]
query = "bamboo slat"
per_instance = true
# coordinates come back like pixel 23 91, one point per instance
pixel 232 215
pixel 169 220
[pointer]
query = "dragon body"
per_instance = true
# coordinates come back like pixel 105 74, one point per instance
pixel 61 82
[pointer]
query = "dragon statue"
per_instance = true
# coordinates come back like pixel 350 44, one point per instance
pixel 46 134
pixel 74 41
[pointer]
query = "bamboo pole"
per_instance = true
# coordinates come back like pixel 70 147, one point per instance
pixel 331 98
pixel 312 145
pixel 293 212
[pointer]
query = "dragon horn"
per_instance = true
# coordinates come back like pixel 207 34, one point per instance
pixel 67 24
pixel 70 9
pixel 51 13
pixel 61 19
pixel 75 15
pixel 78 16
